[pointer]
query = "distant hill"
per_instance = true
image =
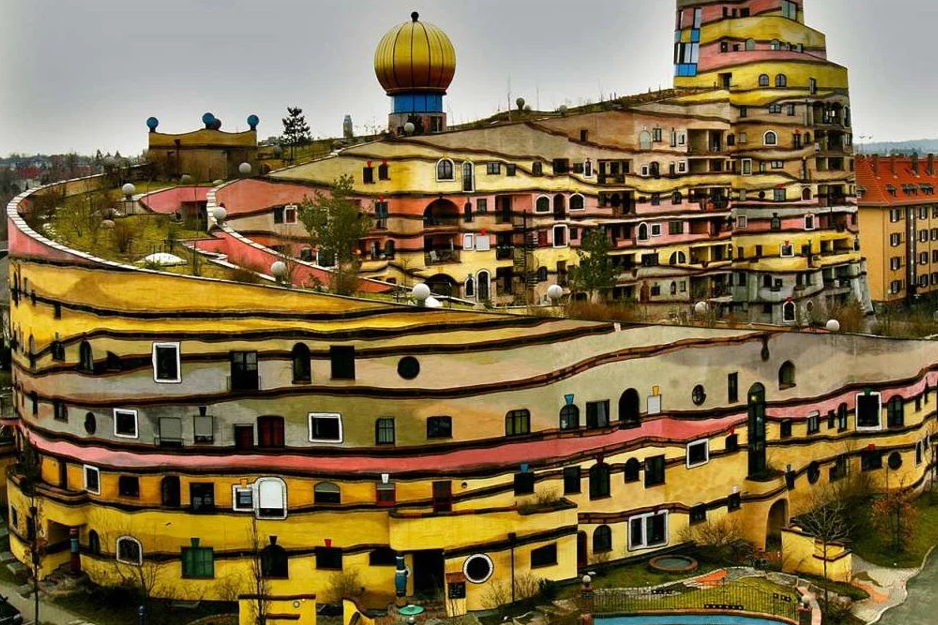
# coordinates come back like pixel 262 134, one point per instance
pixel 921 146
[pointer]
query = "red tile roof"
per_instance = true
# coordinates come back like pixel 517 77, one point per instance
pixel 893 181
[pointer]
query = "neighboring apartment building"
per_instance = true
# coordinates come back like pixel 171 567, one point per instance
pixel 899 225
pixel 181 422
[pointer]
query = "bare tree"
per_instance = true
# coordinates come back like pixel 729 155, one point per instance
pixel 260 605
pixel 30 474
pixel 829 521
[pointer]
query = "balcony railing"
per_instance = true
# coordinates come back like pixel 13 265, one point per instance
pixel 440 257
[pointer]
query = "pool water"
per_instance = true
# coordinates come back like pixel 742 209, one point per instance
pixel 686 619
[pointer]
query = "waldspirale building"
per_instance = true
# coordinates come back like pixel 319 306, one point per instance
pixel 181 422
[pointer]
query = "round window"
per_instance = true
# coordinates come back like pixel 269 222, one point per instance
pixel 408 367
pixel 814 472
pixel 478 568
pixel 699 395
pixel 91 424
pixel 895 460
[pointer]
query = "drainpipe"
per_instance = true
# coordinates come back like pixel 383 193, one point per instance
pixel 512 537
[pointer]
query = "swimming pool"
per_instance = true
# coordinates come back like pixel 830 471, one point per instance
pixel 688 619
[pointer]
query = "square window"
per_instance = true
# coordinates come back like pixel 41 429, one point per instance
pixel 382 556
pixel 698 514
pixel 654 471
pixel 128 486
pixel 289 214
pixel 384 431
pixel 244 371
pixel 198 562
pixel 204 429
pixel 328 558
pixel 343 362
pixel 242 499
pixel 170 431
pixel 698 453
pixel 544 556
pixel 572 484
pixel 125 423
pixel 524 483
pixel 814 423
pixel 648 530
pixel 785 429
pixel 518 422
pixel 166 368
pixel 869 411
pixel 439 427
pixel 202 496
pixel 325 427
pixel 597 414
pixel 385 494
pixel 92 479
pixel 734 502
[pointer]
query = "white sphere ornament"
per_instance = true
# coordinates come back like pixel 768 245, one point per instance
pixel 107 224
pixel 587 579
pixel 409 128
pixel 185 179
pixel 219 213
pixel 278 269
pixel 421 292
pixel 701 308
pixel 433 302
pixel 244 169
pixel 833 326
pixel 128 189
pixel 555 292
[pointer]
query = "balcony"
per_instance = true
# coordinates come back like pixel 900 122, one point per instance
pixel 504 252
pixel 440 256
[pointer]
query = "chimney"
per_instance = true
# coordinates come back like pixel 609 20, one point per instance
pixel 915 163
pixel 930 169
pixel 892 164
pixel 876 165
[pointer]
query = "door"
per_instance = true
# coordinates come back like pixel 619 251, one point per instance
pixel 429 573
pixel 244 437
pixel 483 286
pixel 582 557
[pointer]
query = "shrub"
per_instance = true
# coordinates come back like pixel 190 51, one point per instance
pixel 344 584
pixel 548 589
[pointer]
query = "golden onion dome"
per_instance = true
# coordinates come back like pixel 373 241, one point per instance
pixel 415 56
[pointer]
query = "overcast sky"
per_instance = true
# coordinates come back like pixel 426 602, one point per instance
pixel 85 74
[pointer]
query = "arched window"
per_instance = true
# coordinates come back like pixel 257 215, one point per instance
pixel 445 170
pixel 542 274
pixel 781 80
pixel 678 258
pixel 776 45
pixel 632 469
pixel 643 232
pixel 577 202
pixel 542 205
pixel 301 367
pixel 895 412
pixel 786 375
pixel 788 312
pixel 560 206
pixel 169 491
pixel 654 168
pixel 750 45
pixel 483 278
pixel 770 138
pixel 677 197
pixel 85 357
pixel 468 177
pixel 569 417
pixel 599 481
pixel 327 493
pixel 644 140
pixel 602 539
pixel 274 561
pixel 94 543
pixel 763 80
pixel 806 194
pixel 629 409
pixel 470 288
pixel 271 498
pixel 129 551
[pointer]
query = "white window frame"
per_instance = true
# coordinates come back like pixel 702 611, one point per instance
pixel 765 138
pixel 136 433
pixel 745 167
pixel 566 236
pixel 813 222
pixel 654 230
pixel 742 222
pixel 791 250
pixel 84 477
pixel 325 415
pixel 482 243
pixel 468 242
pixel 645 171
pixel 703 441
pixel 290 209
pixel 856 413
pixel 257 496
pixel 638 236
pixel 436 172
pixel 117 550
pixel 569 203
pixel 178 378
pixel 237 488
pixel 644 544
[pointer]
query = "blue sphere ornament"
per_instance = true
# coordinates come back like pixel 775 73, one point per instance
pixel 152 123
pixel 216 124
pixel 253 121
pixel 208 119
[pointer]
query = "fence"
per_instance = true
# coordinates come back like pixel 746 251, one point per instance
pixel 738 596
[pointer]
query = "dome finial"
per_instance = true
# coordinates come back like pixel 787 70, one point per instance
pixel 415 16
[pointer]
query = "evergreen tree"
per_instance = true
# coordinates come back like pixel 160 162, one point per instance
pixel 595 271
pixel 295 129
pixel 336 224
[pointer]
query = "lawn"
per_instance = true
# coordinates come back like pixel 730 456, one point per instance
pixel 872 547
pixel 118 607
